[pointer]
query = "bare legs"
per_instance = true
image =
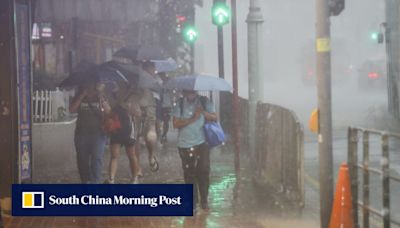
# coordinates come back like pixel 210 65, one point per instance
pixel 133 161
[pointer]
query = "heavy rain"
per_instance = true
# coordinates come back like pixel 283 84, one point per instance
pixel 278 113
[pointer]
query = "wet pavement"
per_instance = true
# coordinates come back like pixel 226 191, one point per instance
pixel 234 201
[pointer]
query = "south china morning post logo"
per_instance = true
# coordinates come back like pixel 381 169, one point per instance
pixel 102 200
pixel 33 200
pixel 116 200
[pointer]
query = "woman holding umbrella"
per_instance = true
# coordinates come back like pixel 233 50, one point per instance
pixel 90 140
pixel 92 106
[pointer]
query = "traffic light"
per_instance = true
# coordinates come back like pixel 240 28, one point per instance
pixel 180 20
pixel 374 35
pixel 190 33
pixel 220 13
pixel 377 37
pixel 336 7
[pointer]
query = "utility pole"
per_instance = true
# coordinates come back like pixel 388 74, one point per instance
pixel 221 71
pixel 392 33
pixel 235 100
pixel 323 56
pixel 254 32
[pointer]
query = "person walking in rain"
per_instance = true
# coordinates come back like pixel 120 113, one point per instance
pixel 189 116
pixel 148 118
pixel 90 140
pixel 166 107
pixel 126 109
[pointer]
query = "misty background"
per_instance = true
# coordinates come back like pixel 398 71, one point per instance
pixel 288 35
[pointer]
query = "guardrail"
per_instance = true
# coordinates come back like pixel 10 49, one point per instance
pixel 49 106
pixel 366 169
pixel 280 153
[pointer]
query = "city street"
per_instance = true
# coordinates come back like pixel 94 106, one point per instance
pixel 233 203
pixel 286 90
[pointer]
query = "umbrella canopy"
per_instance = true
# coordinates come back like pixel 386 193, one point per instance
pixel 167 65
pixel 78 76
pixel 104 73
pixel 138 77
pixel 198 82
pixel 141 53
pixel 129 71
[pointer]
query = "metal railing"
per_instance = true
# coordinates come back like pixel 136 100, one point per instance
pixel 49 106
pixel 42 106
pixel 355 165
pixel 280 153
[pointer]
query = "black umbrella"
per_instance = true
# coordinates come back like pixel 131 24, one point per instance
pixel 104 73
pixel 141 53
pixel 130 72
pixel 79 74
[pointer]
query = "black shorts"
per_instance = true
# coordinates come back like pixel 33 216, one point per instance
pixel 125 136
pixel 166 112
pixel 159 110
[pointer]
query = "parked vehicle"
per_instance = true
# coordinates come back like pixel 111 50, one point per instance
pixel 372 75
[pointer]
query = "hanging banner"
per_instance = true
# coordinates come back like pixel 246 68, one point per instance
pixel 22 33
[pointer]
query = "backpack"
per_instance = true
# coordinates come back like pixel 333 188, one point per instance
pixel 213 131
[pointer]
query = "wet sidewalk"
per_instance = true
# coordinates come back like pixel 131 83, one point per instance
pixel 234 202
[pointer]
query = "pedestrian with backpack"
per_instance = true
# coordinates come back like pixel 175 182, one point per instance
pixel 189 117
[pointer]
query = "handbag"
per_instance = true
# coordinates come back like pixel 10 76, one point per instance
pixel 111 123
pixel 214 133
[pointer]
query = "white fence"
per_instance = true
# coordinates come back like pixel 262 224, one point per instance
pixel 49 106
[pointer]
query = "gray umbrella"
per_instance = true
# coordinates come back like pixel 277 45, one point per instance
pixel 167 65
pixel 198 82
pixel 145 80
pixel 141 53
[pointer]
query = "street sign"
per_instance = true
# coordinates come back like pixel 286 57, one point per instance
pixel 323 45
pixel 220 14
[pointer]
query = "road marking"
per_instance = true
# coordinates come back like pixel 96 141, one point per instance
pixel 313 182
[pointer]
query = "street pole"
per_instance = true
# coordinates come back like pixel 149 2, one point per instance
pixel 254 26
pixel 392 33
pixel 221 71
pixel 235 100
pixel 323 63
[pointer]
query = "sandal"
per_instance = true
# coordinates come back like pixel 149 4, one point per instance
pixel 154 164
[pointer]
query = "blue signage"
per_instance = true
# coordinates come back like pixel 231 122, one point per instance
pixel 102 200
pixel 22 33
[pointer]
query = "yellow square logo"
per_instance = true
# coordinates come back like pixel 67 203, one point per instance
pixel 32 199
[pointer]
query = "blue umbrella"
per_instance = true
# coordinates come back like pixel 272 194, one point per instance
pixel 167 65
pixel 198 82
